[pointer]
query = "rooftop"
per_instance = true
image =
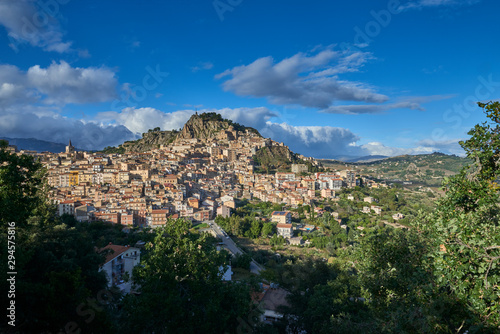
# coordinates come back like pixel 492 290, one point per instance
pixel 280 213
pixel 116 251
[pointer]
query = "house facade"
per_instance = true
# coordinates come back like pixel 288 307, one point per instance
pixel 285 230
pixel 120 260
pixel 281 217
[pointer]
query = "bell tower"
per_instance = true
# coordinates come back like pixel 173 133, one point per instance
pixel 70 148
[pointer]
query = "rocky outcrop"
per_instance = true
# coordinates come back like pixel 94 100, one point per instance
pixel 274 158
pixel 150 140
pixel 204 127
pixel 211 125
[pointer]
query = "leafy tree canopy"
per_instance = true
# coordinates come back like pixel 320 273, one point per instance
pixel 465 227
pixel 180 286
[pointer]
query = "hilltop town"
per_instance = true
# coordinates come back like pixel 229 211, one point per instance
pixel 198 173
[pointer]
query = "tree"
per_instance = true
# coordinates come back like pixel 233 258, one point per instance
pixel 395 271
pixel 57 275
pixel 255 229
pixel 268 229
pixel 180 286
pixel 23 192
pixel 465 226
pixel 320 299
pixel 277 240
pixel 57 265
pixel 241 261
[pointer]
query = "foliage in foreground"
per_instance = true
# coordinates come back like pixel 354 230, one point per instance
pixel 465 228
pixel 441 276
pixel 180 287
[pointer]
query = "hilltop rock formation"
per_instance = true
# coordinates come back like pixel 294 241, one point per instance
pixel 211 125
pixel 206 126
pixel 152 139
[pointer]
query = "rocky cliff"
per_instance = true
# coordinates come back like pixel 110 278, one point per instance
pixel 275 158
pixel 204 126
pixel 212 125
pixel 150 140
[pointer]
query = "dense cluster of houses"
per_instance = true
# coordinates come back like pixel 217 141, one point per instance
pixel 190 178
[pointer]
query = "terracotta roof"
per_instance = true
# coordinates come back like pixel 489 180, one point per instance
pixel 116 251
pixel 284 226
pixel 159 212
pixel 279 213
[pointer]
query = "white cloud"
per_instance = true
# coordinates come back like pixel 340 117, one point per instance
pixel 27 21
pixel 139 120
pixel 12 86
pixel 450 146
pixel 58 84
pixel 142 119
pixel 202 66
pixel 376 148
pixel 253 117
pixel 306 80
pixel 31 102
pixel 65 84
pixel 315 141
pixel 419 4
pixel 413 103
pixel 52 127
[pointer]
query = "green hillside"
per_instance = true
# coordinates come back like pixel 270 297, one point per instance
pixel 424 169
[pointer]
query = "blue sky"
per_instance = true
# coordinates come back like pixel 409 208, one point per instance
pixel 330 79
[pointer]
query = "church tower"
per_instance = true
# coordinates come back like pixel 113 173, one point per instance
pixel 70 148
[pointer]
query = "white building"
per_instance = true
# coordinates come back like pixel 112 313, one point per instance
pixel 285 230
pixel 120 260
pixel 66 207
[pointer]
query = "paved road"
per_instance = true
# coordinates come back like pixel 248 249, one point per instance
pixel 226 240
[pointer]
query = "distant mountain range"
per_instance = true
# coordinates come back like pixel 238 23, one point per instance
pixel 367 158
pixel 38 145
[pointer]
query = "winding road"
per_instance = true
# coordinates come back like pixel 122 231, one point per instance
pixel 231 246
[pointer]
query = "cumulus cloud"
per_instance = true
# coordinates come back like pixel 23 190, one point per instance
pixel 450 146
pixel 13 87
pixel 376 148
pixel 31 102
pixel 58 84
pixel 139 120
pixel 315 141
pixel 65 84
pixel 53 127
pixel 306 80
pixel 425 146
pixel 326 142
pixel 254 117
pixel 33 22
